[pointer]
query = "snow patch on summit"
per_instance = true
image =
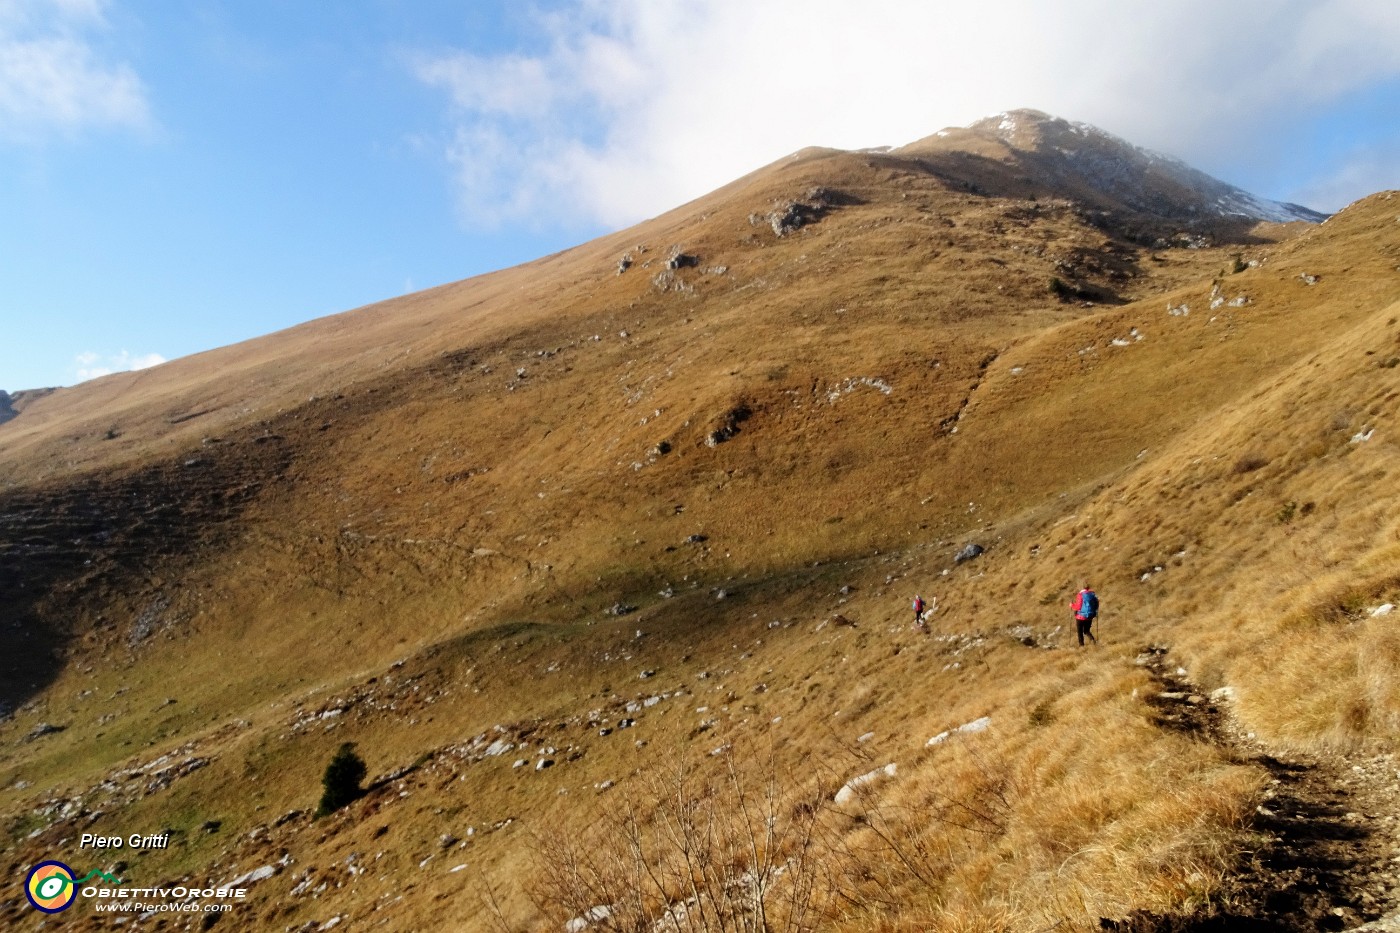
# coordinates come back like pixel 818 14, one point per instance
pixel 1119 169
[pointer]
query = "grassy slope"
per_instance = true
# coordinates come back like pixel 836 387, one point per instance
pixel 475 524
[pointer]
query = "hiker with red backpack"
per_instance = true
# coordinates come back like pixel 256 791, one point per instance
pixel 918 610
pixel 1086 609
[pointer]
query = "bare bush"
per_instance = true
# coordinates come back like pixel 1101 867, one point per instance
pixel 717 853
pixel 889 852
pixel 698 849
pixel 1250 462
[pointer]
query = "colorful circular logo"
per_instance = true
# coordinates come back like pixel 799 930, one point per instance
pixel 50 887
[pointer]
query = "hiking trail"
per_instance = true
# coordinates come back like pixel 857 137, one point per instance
pixel 1326 852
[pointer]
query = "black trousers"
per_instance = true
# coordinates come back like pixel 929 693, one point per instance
pixel 1082 625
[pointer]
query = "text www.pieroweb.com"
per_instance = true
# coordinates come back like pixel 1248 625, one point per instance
pixel 139 907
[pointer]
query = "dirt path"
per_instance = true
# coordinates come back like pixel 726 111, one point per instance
pixel 1327 834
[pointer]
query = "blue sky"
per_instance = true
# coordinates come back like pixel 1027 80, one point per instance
pixel 179 176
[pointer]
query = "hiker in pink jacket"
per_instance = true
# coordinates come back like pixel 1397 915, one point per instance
pixel 1086 609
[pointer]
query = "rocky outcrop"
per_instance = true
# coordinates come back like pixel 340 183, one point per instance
pixel 968 553
pixel 729 425
pixel 795 214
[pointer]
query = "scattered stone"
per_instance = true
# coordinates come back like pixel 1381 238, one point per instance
pixel 287 817
pixel 619 609
pixel 588 918
pixel 1384 609
pixel 848 792
pixel 447 841
pixel 729 425
pixel 544 763
pixel 1309 279
pixel 646 674
pixel 968 553
pixel 680 260
pixel 257 874
pixel 520 763
pixel 624 263
pixel 977 725
pixel 43 729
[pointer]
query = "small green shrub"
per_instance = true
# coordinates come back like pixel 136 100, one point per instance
pixel 341 782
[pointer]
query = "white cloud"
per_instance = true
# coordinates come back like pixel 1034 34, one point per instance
pixel 1364 172
pixel 638 105
pixel 53 77
pixel 90 365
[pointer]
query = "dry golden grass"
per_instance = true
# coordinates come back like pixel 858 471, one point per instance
pixel 437 509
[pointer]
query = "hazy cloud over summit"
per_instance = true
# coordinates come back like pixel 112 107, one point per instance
pixel 635 106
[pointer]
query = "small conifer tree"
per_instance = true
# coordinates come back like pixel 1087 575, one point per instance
pixel 341 782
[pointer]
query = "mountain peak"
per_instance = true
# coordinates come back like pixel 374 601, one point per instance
pixel 1090 161
pixel 1014 126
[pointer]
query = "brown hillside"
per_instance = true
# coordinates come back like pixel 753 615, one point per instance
pixel 528 508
